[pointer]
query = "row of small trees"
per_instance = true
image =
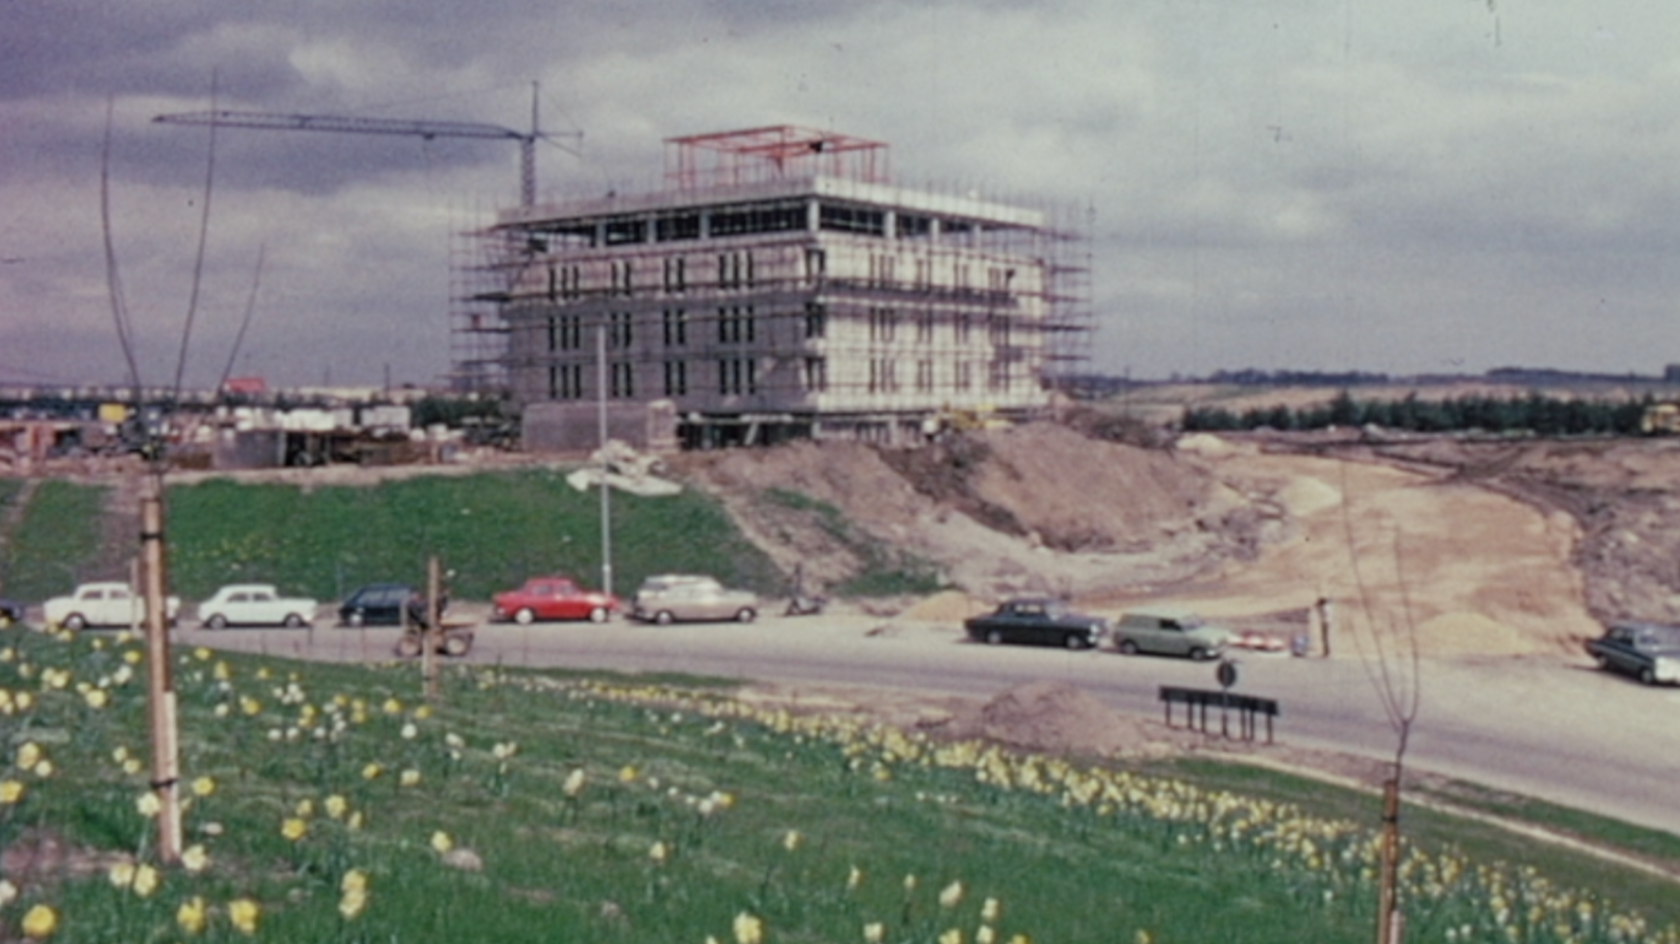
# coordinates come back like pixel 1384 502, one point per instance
pixel 1533 413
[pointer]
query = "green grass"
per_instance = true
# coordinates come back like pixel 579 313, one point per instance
pixel 492 530
pixel 56 541
pixel 828 821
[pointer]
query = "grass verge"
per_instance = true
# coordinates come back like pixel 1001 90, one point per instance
pixel 329 803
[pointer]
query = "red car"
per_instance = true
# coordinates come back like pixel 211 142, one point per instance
pixel 553 598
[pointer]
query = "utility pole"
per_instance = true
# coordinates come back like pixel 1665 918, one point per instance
pixel 160 684
pixel 601 435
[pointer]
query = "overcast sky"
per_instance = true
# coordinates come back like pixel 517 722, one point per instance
pixel 1444 186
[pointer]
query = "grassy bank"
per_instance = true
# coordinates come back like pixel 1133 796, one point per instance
pixel 328 803
pixel 493 530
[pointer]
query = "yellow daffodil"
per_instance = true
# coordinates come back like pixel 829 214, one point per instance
pixel 192 916
pixel 409 777
pixel 148 804
pixel 393 707
pixel 659 852
pixel 44 769
pixel 293 828
pixel 372 771
pixel 194 858
pixel 145 880
pixel 353 902
pixel 39 922
pixel 505 750
pixel 990 910
pixel 243 914
pixel 423 712
pixel 354 821
pixel 96 698
pixel 441 842
pixel 574 783
pixel 874 932
pixel 749 929
pixel 11 791
pixel 791 840
pixel 121 874
pixel 203 786
pixel 305 808
pixel 336 806
pixel 951 936
pixel 409 731
pixel 951 895
pixel 354 880
pixel 854 878
pixel 985 935
pixel 28 755
pixel 627 774
pixel 8 892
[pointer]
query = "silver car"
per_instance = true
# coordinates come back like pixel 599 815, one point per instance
pixel 666 598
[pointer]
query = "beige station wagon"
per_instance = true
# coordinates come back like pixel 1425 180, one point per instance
pixel 1170 632
pixel 666 598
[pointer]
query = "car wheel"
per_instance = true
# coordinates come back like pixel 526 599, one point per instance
pixel 524 616
pixel 408 646
pixel 293 621
pixel 75 621
pixel 746 615
pixel 663 617
pixel 598 615
pixel 1074 641
pixel 994 637
pixel 456 645
pixel 1647 676
pixel 1127 647
pixel 216 621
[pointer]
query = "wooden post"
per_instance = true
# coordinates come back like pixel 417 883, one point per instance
pixel 432 632
pixel 160 685
pixel 1390 920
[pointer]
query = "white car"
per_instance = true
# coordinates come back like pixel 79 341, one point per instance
pixel 254 604
pixel 106 603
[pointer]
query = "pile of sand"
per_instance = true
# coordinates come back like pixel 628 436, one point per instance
pixel 1057 718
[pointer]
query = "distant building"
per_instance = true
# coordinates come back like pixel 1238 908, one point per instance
pixel 781 286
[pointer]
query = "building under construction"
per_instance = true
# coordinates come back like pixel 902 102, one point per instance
pixel 780 286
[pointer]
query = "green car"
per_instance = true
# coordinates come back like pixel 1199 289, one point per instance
pixel 1170 633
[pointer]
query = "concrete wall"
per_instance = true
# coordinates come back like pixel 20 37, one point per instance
pixel 575 426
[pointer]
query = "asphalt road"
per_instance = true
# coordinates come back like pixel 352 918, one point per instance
pixel 1552 728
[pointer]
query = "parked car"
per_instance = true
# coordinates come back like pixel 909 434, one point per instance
pixel 11 611
pixel 666 598
pixel 104 603
pixel 1650 652
pixel 553 598
pixel 1170 633
pixel 1037 621
pixel 254 604
pixel 377 604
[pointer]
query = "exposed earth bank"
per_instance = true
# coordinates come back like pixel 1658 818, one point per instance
pixel 1473 548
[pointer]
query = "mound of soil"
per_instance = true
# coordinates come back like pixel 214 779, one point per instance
pixel 1057 718
pixel 1032 509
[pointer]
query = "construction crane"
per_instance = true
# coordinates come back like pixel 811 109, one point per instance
pixel 268 121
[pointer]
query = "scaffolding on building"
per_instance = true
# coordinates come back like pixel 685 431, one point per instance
pixel 779 281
